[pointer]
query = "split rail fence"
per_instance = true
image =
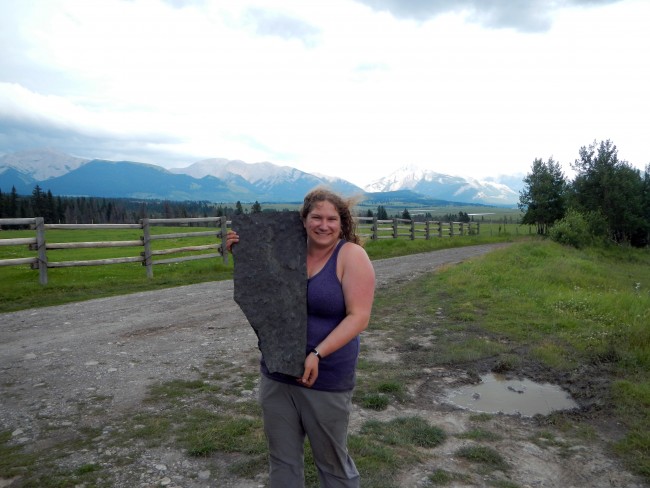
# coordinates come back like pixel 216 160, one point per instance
pixel 368 227
pixel 371 227
pixel 146 257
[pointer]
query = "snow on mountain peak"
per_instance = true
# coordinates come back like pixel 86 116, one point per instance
pixel 404 178
pixel 251 172
pixel 42 164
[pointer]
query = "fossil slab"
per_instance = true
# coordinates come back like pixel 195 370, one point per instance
pixel 270 281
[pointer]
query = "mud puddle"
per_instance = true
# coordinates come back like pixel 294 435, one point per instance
pixel 496 394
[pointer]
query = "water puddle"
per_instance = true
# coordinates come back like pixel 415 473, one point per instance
pixel 495 394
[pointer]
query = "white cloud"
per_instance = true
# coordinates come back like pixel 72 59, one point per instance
pixel 333 87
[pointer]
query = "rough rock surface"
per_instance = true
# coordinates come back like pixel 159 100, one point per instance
pixel 270 280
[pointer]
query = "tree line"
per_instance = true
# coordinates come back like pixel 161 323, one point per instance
pixel 608 199
pixel 86 210
pixel 382 214
pixel 98 210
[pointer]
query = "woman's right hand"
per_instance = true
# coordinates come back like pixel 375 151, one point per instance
pixel 231 238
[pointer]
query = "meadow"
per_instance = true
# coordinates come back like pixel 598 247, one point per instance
pixel 579 313
pixel 19 287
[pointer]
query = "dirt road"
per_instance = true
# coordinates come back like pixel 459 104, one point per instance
pixel 56 363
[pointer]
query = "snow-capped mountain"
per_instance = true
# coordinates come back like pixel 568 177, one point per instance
pixel 217 180
pixel 223 180
pixel 224 168
pixel 41 164
pixel 266 179
pixel 444 187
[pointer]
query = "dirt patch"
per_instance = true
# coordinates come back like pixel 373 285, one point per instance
pixel 86 367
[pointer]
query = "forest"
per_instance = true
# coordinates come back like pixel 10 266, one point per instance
pixel 93 210
pixel 607 201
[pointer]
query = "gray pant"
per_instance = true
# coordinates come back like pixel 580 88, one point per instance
pixel 291 412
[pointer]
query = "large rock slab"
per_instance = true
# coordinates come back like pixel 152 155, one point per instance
pixel 270 285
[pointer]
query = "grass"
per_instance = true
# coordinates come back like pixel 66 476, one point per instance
pixel 483 455
pixel 570 312
pixel 42 470
pixel 404 431
pixel 20 288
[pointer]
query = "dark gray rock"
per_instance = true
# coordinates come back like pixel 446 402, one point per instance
pixel 270 281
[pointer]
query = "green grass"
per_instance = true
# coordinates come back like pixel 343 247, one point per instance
pixel 42 470
pixel 383 450
pixel 20 288
pixel 570 312
pixel 483 455
pixel 535 302
pixel 480 435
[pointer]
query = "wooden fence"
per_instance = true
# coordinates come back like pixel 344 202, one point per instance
pixel 368 227
pixel 145 257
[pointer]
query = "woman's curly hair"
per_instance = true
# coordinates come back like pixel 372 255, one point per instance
pixel 343 207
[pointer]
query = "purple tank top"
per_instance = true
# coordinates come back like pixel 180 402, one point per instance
pixel 325 310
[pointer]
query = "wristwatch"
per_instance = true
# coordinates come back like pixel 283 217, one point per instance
pixel 315 352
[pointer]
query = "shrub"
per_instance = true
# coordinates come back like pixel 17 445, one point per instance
pixel 572 230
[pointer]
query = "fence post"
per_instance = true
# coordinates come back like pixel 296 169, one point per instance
pixel 224 231
pixel 462 228
pixel 427 230
pixel 440 228
pixel 451 229
pixel 146 237
pixel 412 229
pixel 39 224
pixel 375 230
pixel 395 228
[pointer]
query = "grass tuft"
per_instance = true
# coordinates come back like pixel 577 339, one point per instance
pixel 485 456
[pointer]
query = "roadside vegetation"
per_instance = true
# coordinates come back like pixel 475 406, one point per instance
pixel 555 313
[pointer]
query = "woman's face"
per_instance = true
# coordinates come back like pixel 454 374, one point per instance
pixel 323 224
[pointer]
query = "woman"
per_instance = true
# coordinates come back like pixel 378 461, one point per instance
pixel 340 291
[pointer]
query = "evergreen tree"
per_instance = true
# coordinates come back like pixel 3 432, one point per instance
pixel 406 215
pixel 544 196
pixel 381 213
pixel 38 202
pixel 611 187
pixel 49 212
pixel 256 208
pixel 13 204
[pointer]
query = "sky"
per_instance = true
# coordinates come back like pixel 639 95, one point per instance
pixel 348 88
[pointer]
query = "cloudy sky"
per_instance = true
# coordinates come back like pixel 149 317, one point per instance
pixel 349 88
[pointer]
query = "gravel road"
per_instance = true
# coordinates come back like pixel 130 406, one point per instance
pixel 115 346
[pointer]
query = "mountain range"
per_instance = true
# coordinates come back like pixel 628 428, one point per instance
pixel 223 180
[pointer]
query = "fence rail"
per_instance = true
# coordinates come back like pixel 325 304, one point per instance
pixel 371 227
pixel 368 227
pixel 145 257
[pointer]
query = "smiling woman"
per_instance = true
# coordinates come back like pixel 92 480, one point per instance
pixel 340 292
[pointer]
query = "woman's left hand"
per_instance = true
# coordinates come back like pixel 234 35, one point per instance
pixel 311 371
pixel 231 238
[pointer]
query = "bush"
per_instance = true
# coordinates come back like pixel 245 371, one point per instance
pixel 573 230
